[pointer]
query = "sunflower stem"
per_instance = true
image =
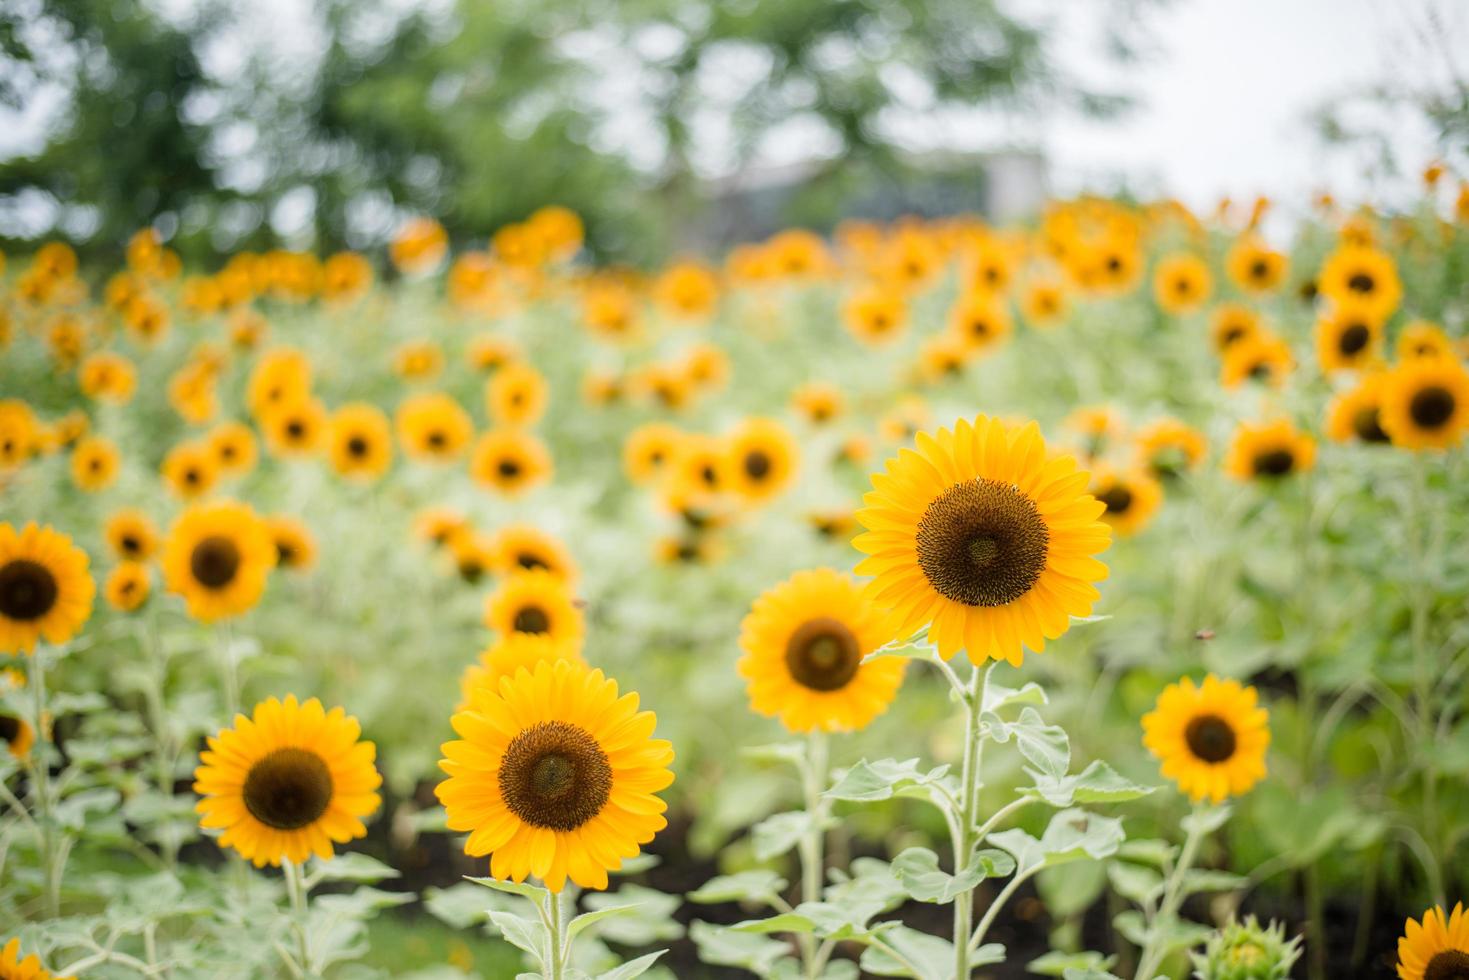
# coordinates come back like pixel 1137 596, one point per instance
pixel 556 957
pixel 296 891
pixel 964 840
pixel 1424 670
pixel 1154 951
pixel 813 781
pixel 51 854
pixel 228 670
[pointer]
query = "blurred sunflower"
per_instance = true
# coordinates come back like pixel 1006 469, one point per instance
pixel 703 464
pixel 510 654
pixel 764 459
pixel 1425 403
pixel 818 402
pixel 234 447
pixel 1436 949
pixel 1043 303
pixel 295 547
pixel 833 523
pixel 1255 267
pixel 433 427
pixel 490 352
pixel 94 463
pixel 555 776
pixel 108 377
pixel 473 555
pixel 875 315
pixel 1262 357
pixel 12 967
pixel 280 377
pixel 360 442
pixel 510 461
pixel 1099 426
pixel 190 470
pixel 439 525
pixel 803 644
pixel 295 430
pixel 131 534
pixel 1363 277
pixel 1232 324
pixel 980 321
pixel 287 782
pixel 127 586
pixel 1347 339
pixel 16 734
pixel 1132 498
pixel 1420 338
pixel 516 395
pixel 1269 451
pixel 648 451
pixel 985 538
pixel 217 556
pixel 1167 447
pixel 1211 738
pixel 524 548
pixel 687 291
pixel 706 367
pixel 944 356
pixel 687 549
pixel 535 601
pixel 418 360
pixel 1182 284
pixel 1356 413
pixel 45 588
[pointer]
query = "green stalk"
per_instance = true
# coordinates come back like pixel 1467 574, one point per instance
pixel 296 891
pixel 813 861
pixel 555 964
pixel 1152 954
pixel 964 839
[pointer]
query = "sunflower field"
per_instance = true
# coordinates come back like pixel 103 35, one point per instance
pixel 1086 598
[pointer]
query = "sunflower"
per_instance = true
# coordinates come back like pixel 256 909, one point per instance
pixel 1132 498
pixel 489 352
pixel 295 547
pixel 12 967
pixel 663 385
pixel 94 463
pixel 981 321
pixel 511 653
pixel 1182 284
pixel 360 442
pixel 108 377
pixel 818 402
pixel 535 601
pixel 982 535
pixel 1255 267
pixel 1263 357
pixel 16 734
pixel 45 588
pixel 190 470
pixel 1362 276
pixel 516 395
pixel 1099 426
pixel 234 447
pixel 1211 738
pixel 1347 338
pixel 439 526
pixel 433 427
pixel 418 360
pixel 1269 451
pixel 1438 949
pixel 510 461
pixel 473 555
pixel 295 430
pixel 127 586
pixel 648 451
pixel 703 465
pixel 523 548
pixel 706 367
pixel 1167 447
pixel 555 776
pixel 287 782
pixel 687 549
pixel 944 356
pixel 1425 403
pixel 280 377
pixel 600 387
pixel 1421 338
pixel 1355 415
pixel 803 644
pixel 875 315
pixel 217 557
pixel 1232 324
pixel 763 459
pixel 833 523
pixel 131 534
pixel 1043 303
pixel 687 291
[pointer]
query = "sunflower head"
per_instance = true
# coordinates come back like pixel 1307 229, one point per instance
pixel 534 601
pixel 13 967
pixel 1211 738
pixel 1347 337
pixel 46 591
pixel 433 427
pixel 1132 497
pixel 554 775
pixel 763 458
pixel 516 395
pixel 127 586
pixel 287 782
pixel 359 442
pixel 1182 283
pixel 234 447
pixel 190 470
pixel 1355 415
pixel 523 548
pixel 1269 451
pixel 1425 403
pixel 295 546
pixel 1437 948
pixel 510 461
pixel 648 451
pixel 986 538
pixel 1167 448
pixel 217 557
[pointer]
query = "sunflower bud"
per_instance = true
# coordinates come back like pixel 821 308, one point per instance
pixel 1245 951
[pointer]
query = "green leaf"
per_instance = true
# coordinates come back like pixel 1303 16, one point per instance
pixel 721 946
pixel 650 920
pixel 792 922
pixel 1044 746
pixel 793 753
pixel 915 647
pixel 463 905
pixel 868 782
pixel 632 968
pixel 1072 835
pixel 1057 963
pixel 1097 783
pixel 931 958
pixel 998 696
pixel 1198 880
pixel 1158 853
pixel 746 886
pixel 775 835
pixel 917 869
pixel 586 919
pixel 362 902
pixel 1135 882
pixel 521 932
pixel 1086 973
pixel 354 867
pixel 1206 820
pixel 535 893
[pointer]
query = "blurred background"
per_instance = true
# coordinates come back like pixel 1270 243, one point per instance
pixel 675 125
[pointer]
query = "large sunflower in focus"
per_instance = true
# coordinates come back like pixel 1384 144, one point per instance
pixel 986 538
pixel 12 967
pixel 217 557
pixel 1437 949
pixel 1211 738
pixel 804 641
pixel 288 782
pixel 554 775
pixel 45 589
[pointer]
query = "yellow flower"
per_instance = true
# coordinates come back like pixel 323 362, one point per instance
pixel 94 463
pixel 1232 324
pixel 510 654
pixel 295 430
pixel 1211 738
pixel 819 402
pixel 510 461
pixel 1425 403
pixel 1421 338
pixel 535 601
pixel 687 290
pixel 1255 267
pixel 360 442
pixel 803 644
pixel 108 377
pixel 1437 949
pixel 234 447
pixel 1362 276
pixel 190 470
pixel 554 775
pixel 1131 497
pixel 648 451
pixel 1355 415
pixel 523 548
pixel 127 586
pixel 516 395
pixel 45 588
pixel 1347 338
pixel 419 246
pixel 1167 447
pixel 1182 284
pixel 984 537
pixel 875 315
pixel 764 459
pixel 1262 357
pixel 287 782
pixel 980 321
pixel 12 967
pixel 217 557
pixel 131 535
pixel 433 427
pixel 1269 451
pixel 295 547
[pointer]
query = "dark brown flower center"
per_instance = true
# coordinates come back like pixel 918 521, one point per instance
pixel 1451 964
pixel 1432 407
pixel 295 428
pixel 532 619
pixel 982 543
pixel 437 440
pixel 1274 462
pixel 1353 339
pixel 1259 269
pixel 1367 424
pixel 530 560
pixel 822 654
pixel 357 446
pixel 1210 738
pixel 130 545
pixel 28 590
pixel 1117 498
pixel 555 775
pixel 509 469
pixel 215 561
pixel 10 728
pixel 288 789
pixel 1361 282
pixel 757 464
